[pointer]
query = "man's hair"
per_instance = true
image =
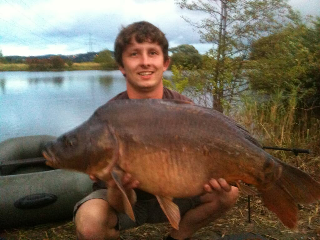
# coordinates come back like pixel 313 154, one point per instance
pixel 142 32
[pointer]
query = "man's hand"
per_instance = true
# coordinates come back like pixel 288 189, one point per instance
pixel 218 197
pixel 93 178
pixel 127 182
pixel 217 185
pixel 225 194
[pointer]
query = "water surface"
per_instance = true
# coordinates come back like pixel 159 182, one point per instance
pixel 33 103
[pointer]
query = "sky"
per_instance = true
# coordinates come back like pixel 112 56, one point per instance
pixel 39 27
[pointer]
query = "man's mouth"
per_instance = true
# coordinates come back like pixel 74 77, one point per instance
pixel 145 73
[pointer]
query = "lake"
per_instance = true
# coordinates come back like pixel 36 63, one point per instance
pixel 36 103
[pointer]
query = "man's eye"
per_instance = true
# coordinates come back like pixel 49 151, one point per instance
pixel 133 54
pixel 153 53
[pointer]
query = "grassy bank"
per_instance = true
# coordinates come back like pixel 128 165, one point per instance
pixel 84 66
pixel 73 67
pixel 235 222
pixel 13 67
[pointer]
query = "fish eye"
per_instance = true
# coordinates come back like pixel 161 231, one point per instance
pixel 69 142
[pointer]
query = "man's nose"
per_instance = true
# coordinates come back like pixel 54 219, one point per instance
pixel 145 59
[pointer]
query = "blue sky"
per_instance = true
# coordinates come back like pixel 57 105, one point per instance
pixel 37 27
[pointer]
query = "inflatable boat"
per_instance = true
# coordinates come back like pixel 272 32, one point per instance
pixel 32 193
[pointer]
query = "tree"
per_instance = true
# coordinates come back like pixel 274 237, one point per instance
pixel 2 59
pixel 45 64
pixel 289 61
pixel 57 63
pixel 36 64
pixel 106 60
pixel 186 56
pixel 231 25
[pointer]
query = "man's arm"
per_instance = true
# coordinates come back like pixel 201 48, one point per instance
pixel 219 197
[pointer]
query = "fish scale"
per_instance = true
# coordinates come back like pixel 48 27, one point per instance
pixel 173 148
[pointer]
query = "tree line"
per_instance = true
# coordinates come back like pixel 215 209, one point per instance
pixel 263 67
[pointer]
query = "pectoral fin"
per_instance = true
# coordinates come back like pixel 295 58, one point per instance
pixel 126 203
pixel 171 210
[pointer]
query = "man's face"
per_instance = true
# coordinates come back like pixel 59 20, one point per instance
pixel 143 65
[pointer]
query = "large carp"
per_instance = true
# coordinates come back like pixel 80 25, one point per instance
pixel 173 148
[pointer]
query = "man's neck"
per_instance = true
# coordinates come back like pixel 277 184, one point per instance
pixel 153 94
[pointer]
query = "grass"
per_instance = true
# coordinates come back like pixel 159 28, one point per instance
pixel 279 121
pixel 263 223
pixel 85 66
pixel 13 67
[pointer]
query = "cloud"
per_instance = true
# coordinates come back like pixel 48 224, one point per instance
pixel 73 26
pixel 306 7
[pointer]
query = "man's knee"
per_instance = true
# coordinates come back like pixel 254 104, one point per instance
pixel 95 220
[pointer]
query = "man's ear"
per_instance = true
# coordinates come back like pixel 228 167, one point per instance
pixel 122 70
pixel 166 64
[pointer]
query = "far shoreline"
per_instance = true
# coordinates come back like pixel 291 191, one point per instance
pixel 9 67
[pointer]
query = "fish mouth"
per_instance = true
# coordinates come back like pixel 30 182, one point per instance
pixel 51 160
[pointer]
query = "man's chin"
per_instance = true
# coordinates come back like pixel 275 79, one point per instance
pixel 146 86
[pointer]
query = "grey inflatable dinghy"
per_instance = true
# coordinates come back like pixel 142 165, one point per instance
pixel 32 193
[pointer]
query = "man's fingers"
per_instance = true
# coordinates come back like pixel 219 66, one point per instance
pixel 93 178
pixel 128 182
pixel 135 184
pixel 126 178
pixel 217 185
pixel 207 188
pixel 224 184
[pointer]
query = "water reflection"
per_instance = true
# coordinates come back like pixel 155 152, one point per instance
pixel 106 81
pixel 55 80
pixel 58 80
pixel 3 85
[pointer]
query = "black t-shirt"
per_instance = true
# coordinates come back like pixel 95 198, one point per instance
pixel 167 94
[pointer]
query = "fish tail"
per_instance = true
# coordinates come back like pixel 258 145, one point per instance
pixel 293 187
pixel 300 185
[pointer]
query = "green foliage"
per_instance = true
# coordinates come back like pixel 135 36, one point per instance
pixel 275 123
pixel 289 61
pixel 69 62
pixel 186 56
pixel 180 82
pixel 205 89
pixel 106 60
pixel 230 26
pixel 282 107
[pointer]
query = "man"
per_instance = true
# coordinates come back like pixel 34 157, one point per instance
pixel 141 51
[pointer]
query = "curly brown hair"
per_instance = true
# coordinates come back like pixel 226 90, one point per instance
pixel 142 32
